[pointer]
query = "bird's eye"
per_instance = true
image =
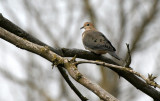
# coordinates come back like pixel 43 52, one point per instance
pixel 87 24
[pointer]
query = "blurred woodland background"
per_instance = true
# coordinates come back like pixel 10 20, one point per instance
pixel 27 77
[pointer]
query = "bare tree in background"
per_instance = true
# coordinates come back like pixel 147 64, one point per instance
pixel 57 23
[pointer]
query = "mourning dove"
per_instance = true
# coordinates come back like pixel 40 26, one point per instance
pixel 96 42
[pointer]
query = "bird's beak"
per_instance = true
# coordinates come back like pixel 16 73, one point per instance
pixel 82 27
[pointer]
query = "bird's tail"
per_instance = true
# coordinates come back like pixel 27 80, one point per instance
pixel 114 55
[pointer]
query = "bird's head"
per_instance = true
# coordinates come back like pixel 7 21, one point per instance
pixel 88 26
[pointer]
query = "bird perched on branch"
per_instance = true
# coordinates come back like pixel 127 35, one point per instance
pixel 96 42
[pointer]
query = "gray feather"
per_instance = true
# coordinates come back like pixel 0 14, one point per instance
pixel 114 55
pixel 91 40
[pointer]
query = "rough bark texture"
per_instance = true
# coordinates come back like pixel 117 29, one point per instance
pixel 46 53
pixel 64 52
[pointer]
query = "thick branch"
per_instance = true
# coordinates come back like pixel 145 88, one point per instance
pixel 135 81
pixel 46 53
pixel 9 26
pixel 66 77
pixel 73 71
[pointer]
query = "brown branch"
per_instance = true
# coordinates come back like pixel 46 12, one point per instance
pixel 128 61
pixel 73 71
pixel 66 77
pixel 9 26
pixel 134 80
pixel 149 80
pixel 46 53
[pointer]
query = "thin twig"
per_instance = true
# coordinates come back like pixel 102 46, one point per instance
pixel 128 61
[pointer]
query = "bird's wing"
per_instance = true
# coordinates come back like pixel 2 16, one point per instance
pixel 97 41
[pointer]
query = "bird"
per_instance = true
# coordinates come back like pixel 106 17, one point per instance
pixel 96 41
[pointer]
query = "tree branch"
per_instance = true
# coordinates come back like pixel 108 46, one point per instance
pixel 73 71
pixel 135 81
pixel 66 77
pixel 46 53
pixel 64 52
pixel 149 80
pixel 128 61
